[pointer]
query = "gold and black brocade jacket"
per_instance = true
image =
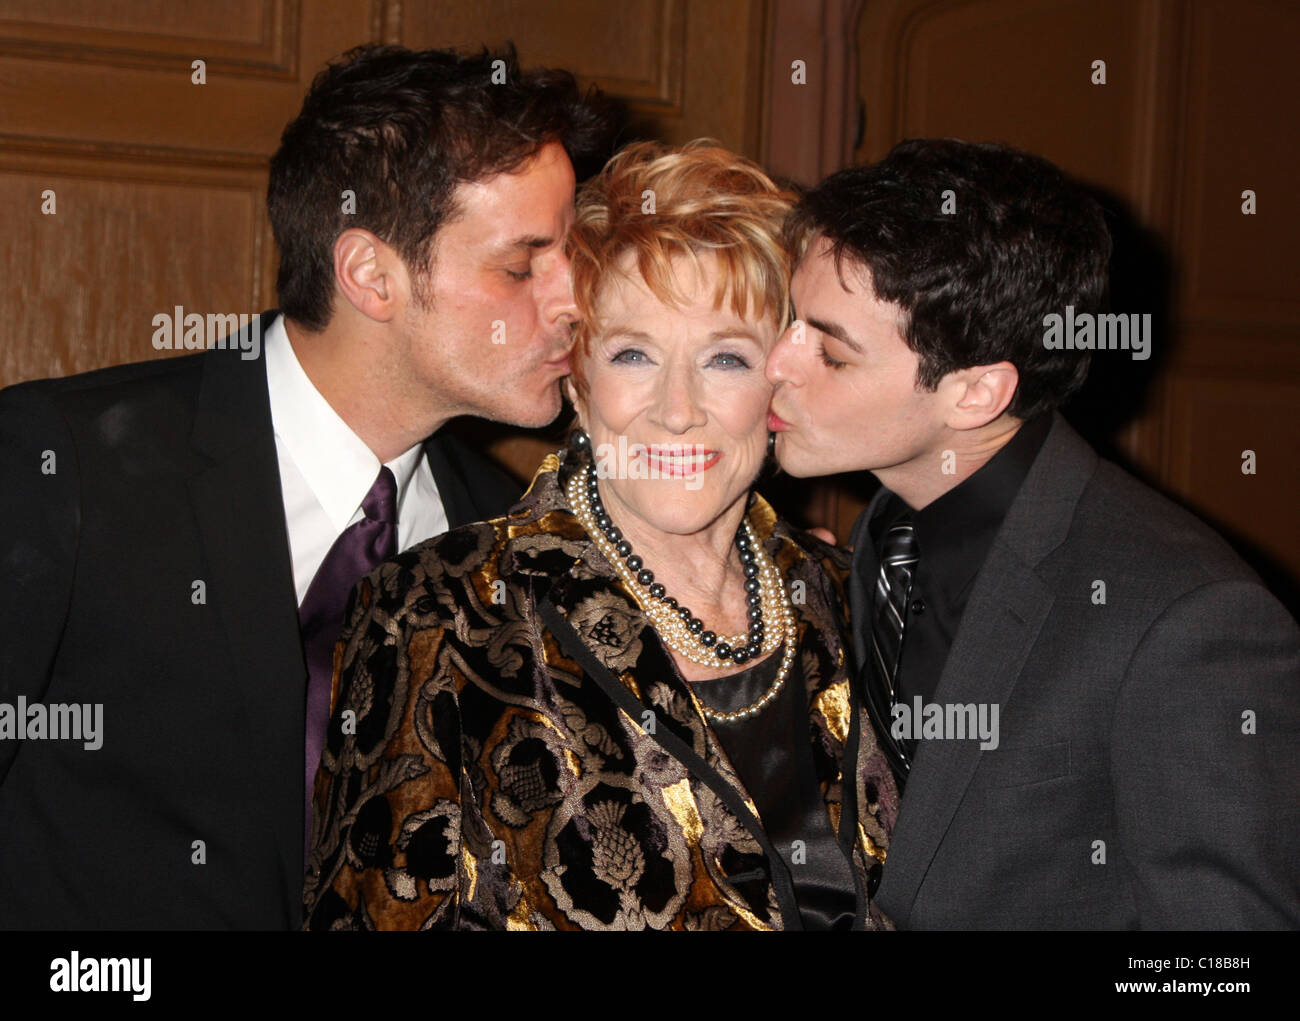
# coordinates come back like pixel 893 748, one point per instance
pixel 475 776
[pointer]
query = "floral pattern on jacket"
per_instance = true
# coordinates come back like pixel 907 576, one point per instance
pixel 474 777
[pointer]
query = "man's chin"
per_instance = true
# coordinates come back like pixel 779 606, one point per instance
pixel 795 462
pixel 533 411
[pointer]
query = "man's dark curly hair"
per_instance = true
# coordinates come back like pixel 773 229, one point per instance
pixel 401 129
pixel 976 282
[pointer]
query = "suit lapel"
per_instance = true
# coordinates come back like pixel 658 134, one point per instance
pixel 239 509
pixel 455 494
pixel 470 486
pixel 1002 621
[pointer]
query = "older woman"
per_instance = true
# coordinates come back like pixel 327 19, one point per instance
pixel 627 704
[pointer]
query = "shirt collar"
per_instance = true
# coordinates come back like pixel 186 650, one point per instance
pixel 954 532
pixel 335 463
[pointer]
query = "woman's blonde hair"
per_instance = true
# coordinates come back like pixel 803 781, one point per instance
pixel 660 202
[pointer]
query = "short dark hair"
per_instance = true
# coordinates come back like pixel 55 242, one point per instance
pixel 975 281
pixel 401 129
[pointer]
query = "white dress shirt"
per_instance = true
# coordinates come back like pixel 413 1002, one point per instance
pixel 326 470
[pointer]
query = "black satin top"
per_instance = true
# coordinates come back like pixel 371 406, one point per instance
pixel 772 754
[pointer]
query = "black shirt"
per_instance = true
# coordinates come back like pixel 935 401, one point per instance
pixel 953 535
pixel 772 755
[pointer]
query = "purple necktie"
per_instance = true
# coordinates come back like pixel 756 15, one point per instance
pixel 356 552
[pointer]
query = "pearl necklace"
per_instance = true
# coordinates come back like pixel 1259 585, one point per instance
pixel 676 625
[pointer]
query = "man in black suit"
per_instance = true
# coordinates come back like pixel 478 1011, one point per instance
pixel 174 531
pixel 1089 700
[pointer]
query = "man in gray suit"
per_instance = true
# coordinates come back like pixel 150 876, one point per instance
pixel 1090 701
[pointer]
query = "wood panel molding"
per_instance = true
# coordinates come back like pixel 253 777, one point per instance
pixel 651 79
pixel 186 168
pixel 809 130
pixel 386 21
pixel 1236 61
pixel 1210 422
pixel 269 50
pixel 162 164
pixel 908 30
pixel 662 92
pixel 119 251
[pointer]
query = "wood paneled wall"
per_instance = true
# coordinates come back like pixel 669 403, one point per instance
pixel 159 183
pixel 1196 108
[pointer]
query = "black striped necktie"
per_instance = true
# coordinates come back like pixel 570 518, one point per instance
pixel 898 556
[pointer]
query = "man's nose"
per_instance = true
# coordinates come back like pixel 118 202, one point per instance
pixel 782 360
pixel 560 307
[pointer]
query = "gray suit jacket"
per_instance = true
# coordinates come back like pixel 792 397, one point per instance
pixel 1148 767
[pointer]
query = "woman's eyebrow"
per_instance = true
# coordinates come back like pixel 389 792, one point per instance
pixel 732 333
pixel 630 334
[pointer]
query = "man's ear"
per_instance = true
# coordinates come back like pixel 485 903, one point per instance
pixel 369 274
pixel 981 393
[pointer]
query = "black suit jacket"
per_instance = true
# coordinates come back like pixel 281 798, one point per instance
pixel 165 476
pixel 1126 791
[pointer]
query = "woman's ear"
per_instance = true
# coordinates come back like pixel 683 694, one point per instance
pixel 571 392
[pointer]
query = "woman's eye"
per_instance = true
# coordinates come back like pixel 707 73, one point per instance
pixel 630 355
pixel 730 360
pixel 827 360
pixel 520 276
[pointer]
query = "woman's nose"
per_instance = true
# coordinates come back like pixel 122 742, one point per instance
pixel 677 406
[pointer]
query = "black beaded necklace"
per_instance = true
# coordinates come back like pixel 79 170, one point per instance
pixel 645 577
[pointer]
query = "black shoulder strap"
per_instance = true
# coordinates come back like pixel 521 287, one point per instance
pixel 574 647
